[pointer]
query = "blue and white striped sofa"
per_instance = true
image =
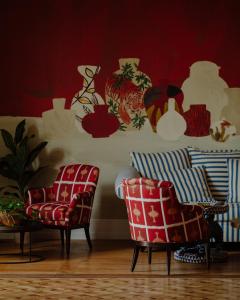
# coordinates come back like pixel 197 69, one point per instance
pixel 160 165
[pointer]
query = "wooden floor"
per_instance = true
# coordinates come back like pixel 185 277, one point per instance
pixel 104 273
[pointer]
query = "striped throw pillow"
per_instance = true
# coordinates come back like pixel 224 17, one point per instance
pixel 190 184
pixel 151 165
pixel 234 180
pixel 215 163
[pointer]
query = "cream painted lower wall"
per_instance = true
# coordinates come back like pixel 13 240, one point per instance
pixel 109 154
pixel 113 229
pixel 108 229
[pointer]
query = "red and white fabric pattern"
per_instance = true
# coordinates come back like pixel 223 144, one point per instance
pixel 69 201
pixel 156 216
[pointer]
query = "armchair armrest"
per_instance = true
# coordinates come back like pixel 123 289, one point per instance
pixel 126 173
pixel 80 205
pixel 191 210
pixel 196 212
pixel 39 195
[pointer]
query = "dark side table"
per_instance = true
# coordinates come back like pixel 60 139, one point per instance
pixel 196 254
pixel 22 229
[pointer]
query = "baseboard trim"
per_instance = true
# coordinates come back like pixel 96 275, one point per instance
pixel 100 229
pixel 107 229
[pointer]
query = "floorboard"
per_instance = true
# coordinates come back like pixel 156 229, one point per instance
pixel 104 273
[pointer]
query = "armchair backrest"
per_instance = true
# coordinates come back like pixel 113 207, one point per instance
pixel 73 179
pixel 153 210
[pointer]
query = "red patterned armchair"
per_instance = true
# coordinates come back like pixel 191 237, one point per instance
pixel 156 217
pixel 67 204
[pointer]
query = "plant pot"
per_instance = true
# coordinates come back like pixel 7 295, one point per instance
pixel 10 220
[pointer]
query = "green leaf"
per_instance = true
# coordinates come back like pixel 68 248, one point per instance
pixel 22 151
pixel 12 204
pixel 8 140
pixel 15 163
pixel 27 176
pixel 8 167
pixel 34 153
pixel 19 132
pixel 24 142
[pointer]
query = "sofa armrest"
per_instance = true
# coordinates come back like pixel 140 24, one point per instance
pixel 40 195
pixel 125 173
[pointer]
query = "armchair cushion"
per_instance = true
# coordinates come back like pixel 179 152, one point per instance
pixel 78 211
pixel 49 212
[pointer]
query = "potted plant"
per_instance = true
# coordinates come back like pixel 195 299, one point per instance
pixel 12 210
pixel 17 165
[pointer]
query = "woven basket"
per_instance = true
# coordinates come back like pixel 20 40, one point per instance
pixel 9 220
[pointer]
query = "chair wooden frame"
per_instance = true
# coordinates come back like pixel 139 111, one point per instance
pixel 169 247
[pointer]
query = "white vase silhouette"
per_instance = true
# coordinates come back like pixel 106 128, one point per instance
pixel 205 86
pixel 84 100
pixel 171 125
pixel 58 122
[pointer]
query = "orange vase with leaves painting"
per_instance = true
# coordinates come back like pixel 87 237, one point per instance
pixel 124 94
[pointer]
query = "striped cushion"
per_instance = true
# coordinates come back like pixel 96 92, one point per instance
pixel 234 180
pixel 151 165
pixel 215 163
pixel 190 184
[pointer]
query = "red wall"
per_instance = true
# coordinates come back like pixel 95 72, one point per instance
pixel 43 42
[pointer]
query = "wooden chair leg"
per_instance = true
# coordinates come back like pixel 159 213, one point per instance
pixel 22 234
pixel 149 255
pixel 62 238
pixel 135 257
pixel 68 241
pixel 86 229
pixel 168 258
pixel 207 253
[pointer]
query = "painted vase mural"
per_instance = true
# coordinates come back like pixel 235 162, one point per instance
pixel 58 122
pixel 84 100
pixel 231 111
pixel 156 101
pixel 198 120
pixel 171 125
pixel 124 94
pixel 205 86
pixel 100 123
